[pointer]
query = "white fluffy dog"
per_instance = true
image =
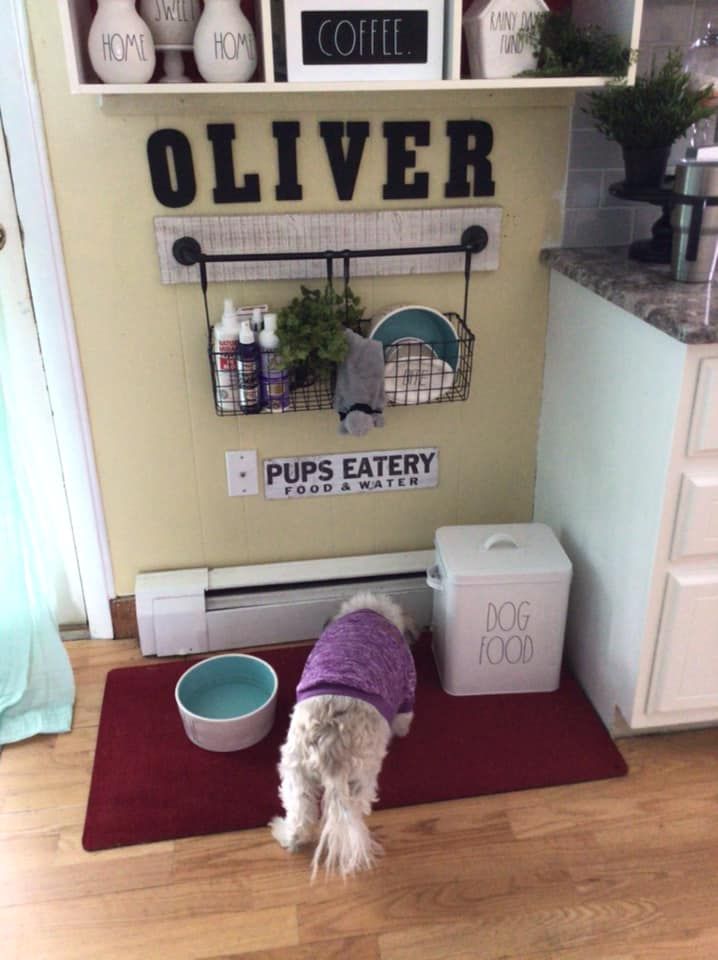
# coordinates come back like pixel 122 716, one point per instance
pixel 357 689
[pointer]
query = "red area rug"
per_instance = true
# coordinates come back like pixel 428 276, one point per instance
pixel 150 783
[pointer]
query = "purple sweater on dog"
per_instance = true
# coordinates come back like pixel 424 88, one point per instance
pixel 362 655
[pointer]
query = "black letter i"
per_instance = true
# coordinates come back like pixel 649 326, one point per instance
pixel 286 133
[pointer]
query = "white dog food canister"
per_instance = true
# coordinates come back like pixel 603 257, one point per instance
pixel 499 611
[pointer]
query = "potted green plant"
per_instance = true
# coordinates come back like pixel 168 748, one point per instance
pixel 647 118
pixel 311 332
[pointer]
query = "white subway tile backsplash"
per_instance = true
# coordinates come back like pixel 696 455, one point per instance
pixel 583 188
pixel 580 120
pixel 666 22
pixel 590 150
pixel 597 228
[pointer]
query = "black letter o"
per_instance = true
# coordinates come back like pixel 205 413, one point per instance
pixel 160 145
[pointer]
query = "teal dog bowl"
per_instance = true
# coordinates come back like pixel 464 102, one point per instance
pixel 227 702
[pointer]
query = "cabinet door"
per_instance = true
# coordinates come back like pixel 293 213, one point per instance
pixel 686 669
pixel 704 420
pixel 696 530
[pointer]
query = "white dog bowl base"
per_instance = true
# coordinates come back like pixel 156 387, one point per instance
pixel 414 374
pixel 227 702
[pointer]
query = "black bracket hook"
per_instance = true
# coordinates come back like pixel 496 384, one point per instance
pixel 475 239
pixel 187 251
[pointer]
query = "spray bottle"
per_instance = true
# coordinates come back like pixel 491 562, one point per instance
pixel 257 314
pixel 225 341
pixel 274 375
pixel 248 370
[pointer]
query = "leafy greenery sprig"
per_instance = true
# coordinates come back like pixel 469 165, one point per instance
pixel 655 112
pixel 563 49
pixel 311 328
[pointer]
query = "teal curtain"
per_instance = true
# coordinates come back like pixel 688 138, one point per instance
pixel 37 688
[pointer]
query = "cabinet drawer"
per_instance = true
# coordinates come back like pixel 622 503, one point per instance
pixel 686 669
pixel 703 436
pixel 696 530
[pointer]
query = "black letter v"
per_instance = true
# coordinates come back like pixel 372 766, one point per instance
pixel 344 167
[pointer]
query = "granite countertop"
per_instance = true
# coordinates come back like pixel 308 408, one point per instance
pixel 685 311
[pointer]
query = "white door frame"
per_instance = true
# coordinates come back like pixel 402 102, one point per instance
pixel 22 119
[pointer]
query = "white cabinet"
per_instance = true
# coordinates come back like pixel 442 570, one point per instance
pixel 627 475
pixel 621 18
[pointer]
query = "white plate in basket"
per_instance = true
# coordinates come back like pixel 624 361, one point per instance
pixel 414 374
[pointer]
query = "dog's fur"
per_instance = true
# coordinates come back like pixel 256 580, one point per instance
pixel 330 763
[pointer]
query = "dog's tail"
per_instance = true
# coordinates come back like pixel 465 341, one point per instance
pixel 348 741
pixel 345 844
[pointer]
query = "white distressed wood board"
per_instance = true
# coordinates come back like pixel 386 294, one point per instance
pixel 309 232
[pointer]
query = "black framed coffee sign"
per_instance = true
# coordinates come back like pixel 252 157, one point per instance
pixel 371 36
pixel 355 40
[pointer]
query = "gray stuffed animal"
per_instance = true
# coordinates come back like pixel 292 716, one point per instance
pixel 359 393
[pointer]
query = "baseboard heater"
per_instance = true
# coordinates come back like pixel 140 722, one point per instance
pixel 201 609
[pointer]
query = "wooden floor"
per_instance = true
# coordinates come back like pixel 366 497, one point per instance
pixel 625 869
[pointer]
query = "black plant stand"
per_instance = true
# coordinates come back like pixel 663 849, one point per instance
pixel 658 248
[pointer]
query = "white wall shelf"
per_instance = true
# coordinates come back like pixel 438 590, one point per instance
pixel 622 17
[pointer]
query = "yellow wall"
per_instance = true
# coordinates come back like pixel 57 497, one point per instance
pixel 158 443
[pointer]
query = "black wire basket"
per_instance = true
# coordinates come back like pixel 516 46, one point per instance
pixel 414 373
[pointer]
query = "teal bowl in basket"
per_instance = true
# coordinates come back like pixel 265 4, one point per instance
pixel 227 702
pixel 414 322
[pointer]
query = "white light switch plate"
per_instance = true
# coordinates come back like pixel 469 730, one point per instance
pixel 242 479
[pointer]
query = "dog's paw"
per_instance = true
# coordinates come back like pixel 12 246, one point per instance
pixel 278 826
pixel 290 839
pixel 401 723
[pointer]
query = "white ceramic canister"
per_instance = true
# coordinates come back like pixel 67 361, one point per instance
pixel 495 41
pixel 120 44
pixel 172 22
pixel 499 608
pixel 225 50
